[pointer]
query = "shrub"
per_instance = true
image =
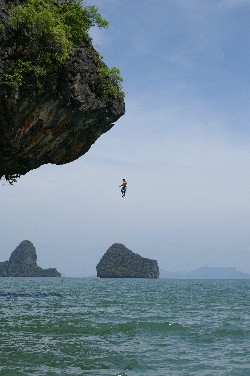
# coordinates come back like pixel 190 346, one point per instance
pixel 46 31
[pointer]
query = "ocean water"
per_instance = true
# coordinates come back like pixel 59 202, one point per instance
pixel 125 327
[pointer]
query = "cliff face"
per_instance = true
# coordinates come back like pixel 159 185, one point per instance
pixel 58 124
pixel 120 262
pixel 22 263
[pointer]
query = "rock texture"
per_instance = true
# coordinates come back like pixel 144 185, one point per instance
pixel 23 263
pixel 120 262
pixel 59 124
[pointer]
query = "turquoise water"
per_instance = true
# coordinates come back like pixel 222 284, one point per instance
pixel 67 326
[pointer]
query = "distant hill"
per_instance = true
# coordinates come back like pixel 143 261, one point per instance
pixel 206 272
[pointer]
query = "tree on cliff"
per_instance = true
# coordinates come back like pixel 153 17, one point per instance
pixel 46 31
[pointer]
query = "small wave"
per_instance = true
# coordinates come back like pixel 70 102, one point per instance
pixel 101 329
pixel 231 332
pixel 10 294
pixel 161 327
pixel 127 327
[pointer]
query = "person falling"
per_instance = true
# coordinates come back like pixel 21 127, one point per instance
pixel 124 187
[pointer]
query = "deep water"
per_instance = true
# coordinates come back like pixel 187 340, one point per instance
pixel 125 327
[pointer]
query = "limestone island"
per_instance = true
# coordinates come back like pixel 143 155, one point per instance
pixel 119 262
pixel 22 263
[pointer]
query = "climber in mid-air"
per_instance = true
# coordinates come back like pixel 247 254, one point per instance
pixel 124 187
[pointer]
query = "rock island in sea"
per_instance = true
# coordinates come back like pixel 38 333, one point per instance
pixel 119 262
pixel 23 263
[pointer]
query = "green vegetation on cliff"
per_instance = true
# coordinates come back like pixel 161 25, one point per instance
pixel 119 262
pixel 46 31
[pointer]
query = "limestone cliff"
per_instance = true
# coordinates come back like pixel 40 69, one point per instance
pixel 119 262
pixel 59 123
pixel 23 263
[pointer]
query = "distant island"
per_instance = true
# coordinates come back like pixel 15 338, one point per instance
pixel 119 262
pixel 206 272
pixel 23 263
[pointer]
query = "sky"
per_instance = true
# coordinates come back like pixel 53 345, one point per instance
pixel 183 145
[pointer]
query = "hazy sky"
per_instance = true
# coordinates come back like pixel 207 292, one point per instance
pixel 183 145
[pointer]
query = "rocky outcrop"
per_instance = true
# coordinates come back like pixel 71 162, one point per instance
pixel 23 263
pixel 119 262
pixel 58 124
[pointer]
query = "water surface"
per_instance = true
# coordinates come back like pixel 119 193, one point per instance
pixel 125 327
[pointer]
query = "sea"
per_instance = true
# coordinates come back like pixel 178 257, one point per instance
pixel 124 327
